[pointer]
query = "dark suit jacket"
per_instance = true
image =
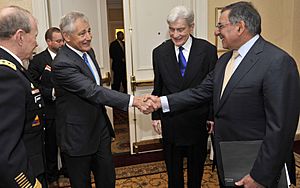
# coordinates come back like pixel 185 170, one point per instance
pixel 261 102
pixel 81 114
pixel 186 126
pixel 117 55
pixel 21 140
pixel 40 70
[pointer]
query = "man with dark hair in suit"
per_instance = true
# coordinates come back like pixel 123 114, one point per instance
pixel 117 54
pixel 21 140
pixel 40 70
pixel 255 95
pixel 184 133
pixel 84 130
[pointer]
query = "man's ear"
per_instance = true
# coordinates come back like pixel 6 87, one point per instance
pixel 19 36
pixel 66 36
pixel 48 41
pixel 241 27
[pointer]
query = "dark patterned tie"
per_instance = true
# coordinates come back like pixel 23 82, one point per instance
pixel 181 61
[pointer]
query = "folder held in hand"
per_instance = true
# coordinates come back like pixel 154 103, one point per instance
pixel 238 158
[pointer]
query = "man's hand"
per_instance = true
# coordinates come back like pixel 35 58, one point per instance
pixel 248 182
pixel 155 100
pixel 145 106
pixel 210 126
pixel 156 126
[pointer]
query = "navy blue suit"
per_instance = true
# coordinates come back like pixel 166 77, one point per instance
pixel 260 102
pixel 83 128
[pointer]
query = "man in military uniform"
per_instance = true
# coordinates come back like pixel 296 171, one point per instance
pixel 40 70
pixel 21 143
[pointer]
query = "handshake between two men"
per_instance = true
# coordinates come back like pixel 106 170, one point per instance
pixel 147 103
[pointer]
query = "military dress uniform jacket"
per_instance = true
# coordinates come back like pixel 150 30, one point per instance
pixel 21 142
pixel 40 70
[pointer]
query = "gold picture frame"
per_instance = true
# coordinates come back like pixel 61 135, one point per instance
pixel 218 41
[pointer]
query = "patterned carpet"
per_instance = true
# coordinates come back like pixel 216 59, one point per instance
pixel 154 175
pixel 148 175
pixel 121 143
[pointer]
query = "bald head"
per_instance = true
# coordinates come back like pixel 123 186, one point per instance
pixel 18 31
pixel 13 18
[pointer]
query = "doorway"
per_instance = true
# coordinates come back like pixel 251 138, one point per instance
pixel 115 21
pixel 145 28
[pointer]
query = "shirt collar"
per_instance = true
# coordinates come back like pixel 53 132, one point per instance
pixel 187 45
pixel 12 54
pixel 52 54
pixel 80 53
pixel 244 49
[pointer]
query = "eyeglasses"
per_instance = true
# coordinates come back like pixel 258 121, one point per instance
pixel 221 26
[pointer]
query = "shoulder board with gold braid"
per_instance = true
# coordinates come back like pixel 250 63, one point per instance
pixel 8 64
pixel 23 182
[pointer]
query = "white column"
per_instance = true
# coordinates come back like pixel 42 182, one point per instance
pixel 40 12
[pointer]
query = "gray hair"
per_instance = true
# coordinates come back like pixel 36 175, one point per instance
pixel 13 18
pixel 245 11
pixel 67 22
pixel 181 12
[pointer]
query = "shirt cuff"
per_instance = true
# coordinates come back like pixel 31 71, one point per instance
pixel 130 101
pixel 164 104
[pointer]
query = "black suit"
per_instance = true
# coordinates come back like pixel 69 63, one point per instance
pixel 21 138
pixel 260 102
pixel 184 133
pixel 84 132
pixel 40 70
pixel 117 54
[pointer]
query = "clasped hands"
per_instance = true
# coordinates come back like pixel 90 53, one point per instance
pixel 147 103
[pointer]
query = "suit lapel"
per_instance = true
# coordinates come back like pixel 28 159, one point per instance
pixel 219 76
pixel 92 55
pixel 79 62
pixel 47 61
pixel 194 63
pixel 244 67
pixel 47 57
pixel 171 63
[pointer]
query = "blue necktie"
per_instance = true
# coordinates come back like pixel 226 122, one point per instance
pixel 181 61
pixel 85 59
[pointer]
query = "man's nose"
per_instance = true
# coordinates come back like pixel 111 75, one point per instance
pixel 217 32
